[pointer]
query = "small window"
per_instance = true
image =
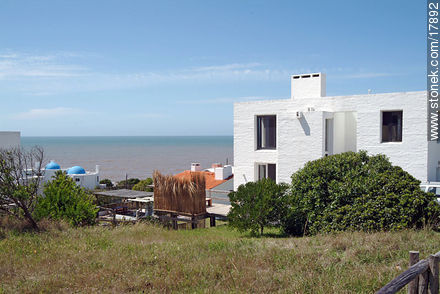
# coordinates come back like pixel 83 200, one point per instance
pixel 266 132
pixel 392 126
pixel 76 179
pixel 267 171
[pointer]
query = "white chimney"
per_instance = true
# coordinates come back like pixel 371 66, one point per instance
pixel 195 167
pixel 222 173
pixel 308 86
pixel 97 169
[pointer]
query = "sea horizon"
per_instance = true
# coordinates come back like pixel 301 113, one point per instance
pixel 136 156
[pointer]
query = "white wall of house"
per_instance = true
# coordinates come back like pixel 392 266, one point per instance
pixel 344 131
pixel 89 180
pixel 9 139
pixel 357 126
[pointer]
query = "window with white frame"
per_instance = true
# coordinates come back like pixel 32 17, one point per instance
pixel 266 132
pixel 266 170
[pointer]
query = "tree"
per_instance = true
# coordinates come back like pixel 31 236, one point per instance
pixel 108 183
pixel 256 205
pixel 20 177
pixel 65 200
pixel 356 191
pixel 144 185
pixel 127 184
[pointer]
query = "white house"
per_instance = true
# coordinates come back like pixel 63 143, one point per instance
pixel 275 138
pixel 83 178
pixel 9 140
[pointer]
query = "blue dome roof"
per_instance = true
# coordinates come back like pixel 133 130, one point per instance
pixel 52 165
pixel 76 170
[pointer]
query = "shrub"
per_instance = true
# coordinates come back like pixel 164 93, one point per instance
pixel 256 205
pixel 20 180
pixel 355 191
pixel 108 183
pixel 127 184
pixel 143 185
pixel 64 200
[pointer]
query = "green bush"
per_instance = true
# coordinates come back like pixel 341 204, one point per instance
pixel 127 184
pixel 256 205
pixel 63 199
pixel 143 185
pixel 107 182
pixel 355 191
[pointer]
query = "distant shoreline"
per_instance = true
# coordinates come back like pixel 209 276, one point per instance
pixel 136 156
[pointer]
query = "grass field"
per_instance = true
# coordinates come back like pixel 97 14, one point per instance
pixel 146 258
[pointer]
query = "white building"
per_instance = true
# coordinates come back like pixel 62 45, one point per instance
pixel 275 138
pixel 9 140
pixel 83 178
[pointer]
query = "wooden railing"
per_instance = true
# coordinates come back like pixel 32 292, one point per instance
pixel 421 277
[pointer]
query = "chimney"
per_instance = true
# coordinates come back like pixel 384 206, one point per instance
pixel 195 167
pixel 223 172
pixel 308 86
pixel 97 169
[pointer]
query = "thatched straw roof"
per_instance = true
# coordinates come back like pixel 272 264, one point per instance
pixel 180 195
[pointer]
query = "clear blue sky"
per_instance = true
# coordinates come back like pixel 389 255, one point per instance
pixel 176 67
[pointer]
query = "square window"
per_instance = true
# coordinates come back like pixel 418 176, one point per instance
pixel 266 132
pixel 392 123
pixel 267 171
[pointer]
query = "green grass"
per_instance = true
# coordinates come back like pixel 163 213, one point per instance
pixel 148 258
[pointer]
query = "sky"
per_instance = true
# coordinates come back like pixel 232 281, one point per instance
pixel 135 68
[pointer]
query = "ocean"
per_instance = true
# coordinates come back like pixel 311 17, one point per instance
pixel 137 157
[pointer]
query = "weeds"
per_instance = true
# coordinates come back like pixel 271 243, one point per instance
pixel 146 257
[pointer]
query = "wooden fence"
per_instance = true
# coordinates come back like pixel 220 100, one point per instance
pixel 421 277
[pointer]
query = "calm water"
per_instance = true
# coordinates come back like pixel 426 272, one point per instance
pixel 136 156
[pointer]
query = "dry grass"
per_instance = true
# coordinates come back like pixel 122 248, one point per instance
pixel 147 258
pixel 180 194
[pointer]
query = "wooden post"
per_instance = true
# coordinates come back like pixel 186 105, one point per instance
pixel 114 218
pixel 433 274
pixel 174 221
pixel 212 221
pixel 423 282
pixel 413 286
pixel 193 223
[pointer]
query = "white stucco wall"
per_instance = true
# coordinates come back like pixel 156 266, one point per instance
pixel 301 140
pixel 350 131
pixel 338 132
pixel 9 139
pixel 90 180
